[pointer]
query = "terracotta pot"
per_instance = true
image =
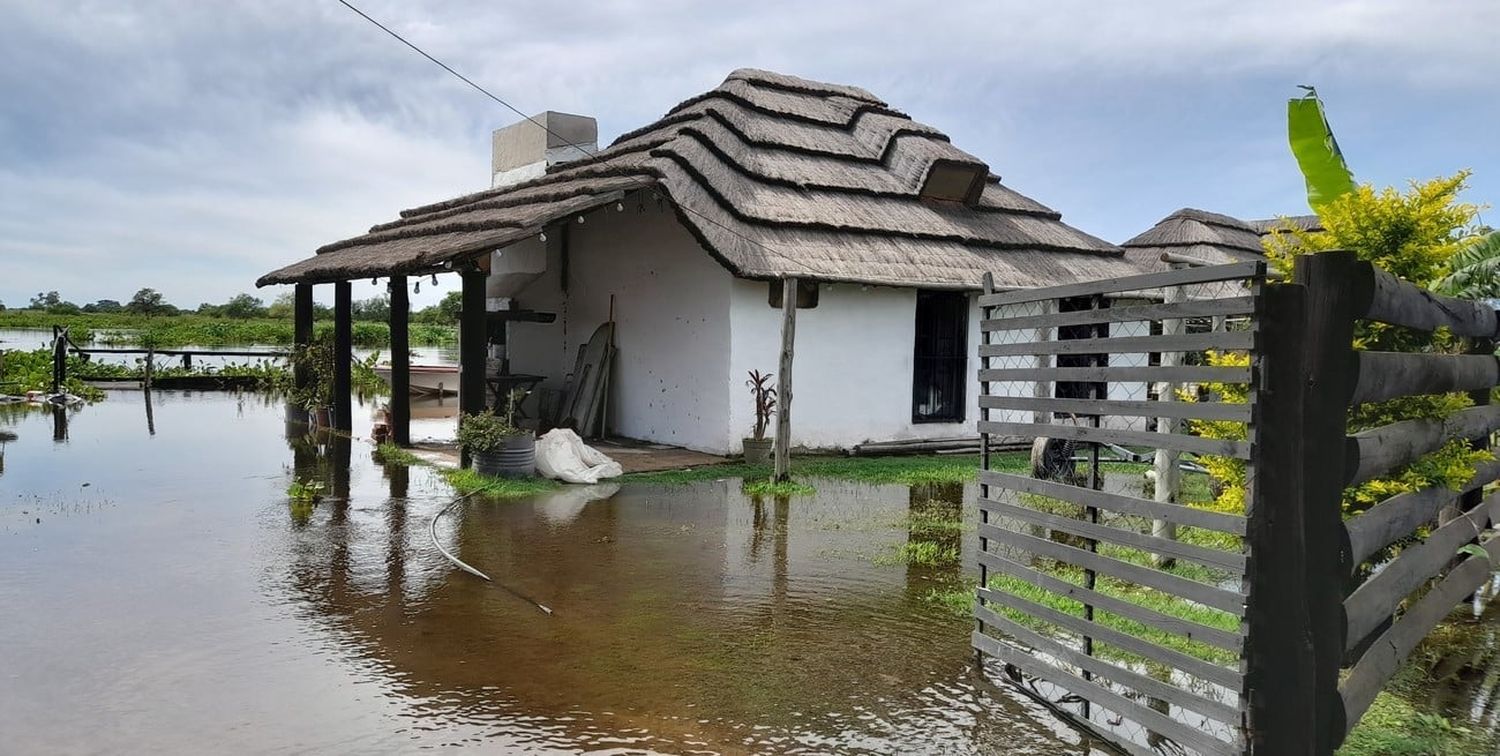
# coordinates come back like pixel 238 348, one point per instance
pixel 758 450
pixel 514 458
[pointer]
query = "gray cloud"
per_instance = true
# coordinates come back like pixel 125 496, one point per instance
pixel 192 146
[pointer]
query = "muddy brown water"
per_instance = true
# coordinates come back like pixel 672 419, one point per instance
pixel 159 595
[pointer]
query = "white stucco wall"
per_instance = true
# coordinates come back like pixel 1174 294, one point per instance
pixel 853 365
pixel 671 379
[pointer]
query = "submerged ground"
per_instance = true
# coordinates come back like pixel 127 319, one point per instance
pixel 162 593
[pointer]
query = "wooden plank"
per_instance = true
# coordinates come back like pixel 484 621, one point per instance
pixel 1404 303
pixel 400 362
pixel 1187 342
pixel 1386 654
pixel 1229 272
pixel 1096 694
pixel 1374 601
pixel 1397 517
pixel 1166 582
pixel 1375 452
pixel 343 356
pixel 1180 374
pixel 1328 374
pixel 1083 528
pixel 1387 375
pixel 1231 412
pixel 1202 633
pixel 1150 686
pixel 782 451
pixel 1178 441
pixel 1196 308
pixel 1176 513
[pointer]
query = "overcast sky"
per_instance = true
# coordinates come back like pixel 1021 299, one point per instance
pixel 192 146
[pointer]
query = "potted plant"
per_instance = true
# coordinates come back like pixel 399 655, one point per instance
pixel 758 447
pixel 498 447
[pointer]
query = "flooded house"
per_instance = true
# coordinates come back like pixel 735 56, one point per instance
pixel 682 234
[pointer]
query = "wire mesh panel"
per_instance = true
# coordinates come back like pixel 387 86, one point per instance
pixel 1112 562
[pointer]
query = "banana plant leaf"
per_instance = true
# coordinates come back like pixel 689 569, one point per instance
pixel 1316 150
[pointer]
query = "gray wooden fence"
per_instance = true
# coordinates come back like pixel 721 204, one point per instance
pixel 1194 625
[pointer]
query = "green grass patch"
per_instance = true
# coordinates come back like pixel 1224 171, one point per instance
pixel 903 470
pixel 391 454
pixel 1393 727
pixel 920 553
pixel 767 487
pixel 469 481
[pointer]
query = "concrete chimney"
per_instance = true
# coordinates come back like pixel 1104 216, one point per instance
pixel 523 150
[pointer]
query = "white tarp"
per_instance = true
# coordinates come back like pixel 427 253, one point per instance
pixel 562 455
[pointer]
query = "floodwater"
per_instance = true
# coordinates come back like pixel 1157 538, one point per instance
pixel 159 594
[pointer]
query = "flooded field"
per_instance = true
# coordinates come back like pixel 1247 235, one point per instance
pixel 161 595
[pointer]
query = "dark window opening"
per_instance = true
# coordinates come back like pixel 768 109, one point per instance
pixel 940 368
pixel 807 295
pixel 1082 389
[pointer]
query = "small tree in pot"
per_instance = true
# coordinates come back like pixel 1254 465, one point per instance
pixel 498 447
pixel 758 447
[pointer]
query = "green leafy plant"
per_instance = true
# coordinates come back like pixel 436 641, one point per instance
pixel 485 432
pixel 306 491
pixel 1474 272
pixel 1317 152
pixel 765 401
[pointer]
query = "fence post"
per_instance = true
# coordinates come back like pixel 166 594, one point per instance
pixel 1334 286
pixel 1279 650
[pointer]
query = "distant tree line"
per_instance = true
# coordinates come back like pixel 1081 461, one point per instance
pixel 150 303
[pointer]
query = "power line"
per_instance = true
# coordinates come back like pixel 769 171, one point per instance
pixel 591 153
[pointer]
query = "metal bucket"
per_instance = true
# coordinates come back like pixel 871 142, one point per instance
pixel 515 458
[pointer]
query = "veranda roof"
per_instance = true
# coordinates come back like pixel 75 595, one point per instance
pixel 775 176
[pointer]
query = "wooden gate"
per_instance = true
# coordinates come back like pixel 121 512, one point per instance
pixel 1168 615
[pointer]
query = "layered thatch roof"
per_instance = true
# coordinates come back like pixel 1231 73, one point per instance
pixel 775 176
pixel 1211 238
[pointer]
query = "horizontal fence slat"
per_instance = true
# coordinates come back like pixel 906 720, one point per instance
pixel 1230 272
pixel 1168 547
pixel 1387 375
pixel 1404 303
pixel 1203 670
pixel 1386 654
pixel 1202 633
pixel 1175 441
pixel 1098 695
pixel 1193 308
pixel 1175 374
pixel 1186 342
pixel 1374 601
pixel 1395 518
pixel 1228 411
pixel 1088 497
pixel 1151 687
pixel 1379 450
pixel 1208 595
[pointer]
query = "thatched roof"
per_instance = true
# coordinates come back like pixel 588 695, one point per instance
pixel 1286 223
pixel 775 176
pixel 1197 234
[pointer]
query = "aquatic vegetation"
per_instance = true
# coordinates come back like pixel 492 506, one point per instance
pixel 768 487
pixel 306 491
pixel 22 371
pixel 469 481
pixel 391 454
pixel 1393 727
pixel 920 553
pixel 895 470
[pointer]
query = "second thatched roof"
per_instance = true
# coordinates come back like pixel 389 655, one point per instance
pixel 776 176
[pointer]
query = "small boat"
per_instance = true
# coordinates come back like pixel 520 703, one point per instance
pixel 426 380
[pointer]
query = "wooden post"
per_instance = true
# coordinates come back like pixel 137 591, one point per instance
pixel 1330 367
pixel 400 363
pixel 783 450
pixel 1168 473
pixel 471 345
pixel 59 359
pixel 1280 660
pixel 302 331
pixel 343 346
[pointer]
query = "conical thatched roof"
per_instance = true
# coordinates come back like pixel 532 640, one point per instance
pixel 776 176
pixel 1198 234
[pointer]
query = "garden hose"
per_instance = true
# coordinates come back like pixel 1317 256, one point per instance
pixel 432 530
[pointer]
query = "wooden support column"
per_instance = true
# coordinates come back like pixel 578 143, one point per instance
pixel 400 363
pixel 343 345
pixel 302 332
pixel 1168 471
pixel 783 450
pixel 471 345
